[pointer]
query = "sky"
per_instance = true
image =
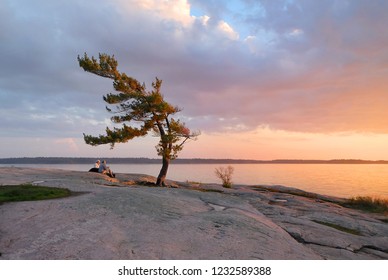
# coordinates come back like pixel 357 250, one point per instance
pixel 286 79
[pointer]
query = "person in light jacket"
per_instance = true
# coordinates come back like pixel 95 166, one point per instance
pixel 96 166
pixel 104 169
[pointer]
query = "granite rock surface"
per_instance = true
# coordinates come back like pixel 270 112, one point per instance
pixel 127 218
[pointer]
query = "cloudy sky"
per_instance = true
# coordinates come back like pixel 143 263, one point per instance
pixel 260 79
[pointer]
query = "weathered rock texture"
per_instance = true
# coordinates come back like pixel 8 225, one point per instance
pixel 125 218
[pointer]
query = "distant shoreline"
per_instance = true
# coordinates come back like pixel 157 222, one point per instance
pixel 89 160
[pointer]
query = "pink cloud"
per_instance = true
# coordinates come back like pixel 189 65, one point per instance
pixel 304 66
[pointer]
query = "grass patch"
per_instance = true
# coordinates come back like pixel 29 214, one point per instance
pixel 29 192
pixel 369 204
pixel 340 228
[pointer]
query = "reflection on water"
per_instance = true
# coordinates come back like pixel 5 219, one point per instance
pixel 332 179
pixel 344 180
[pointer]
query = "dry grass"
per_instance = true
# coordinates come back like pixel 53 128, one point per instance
pixel 369 204
pixel 225 174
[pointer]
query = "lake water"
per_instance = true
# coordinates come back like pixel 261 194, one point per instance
pixel 343 180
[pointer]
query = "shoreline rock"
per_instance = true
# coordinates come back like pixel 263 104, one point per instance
pixel 121 218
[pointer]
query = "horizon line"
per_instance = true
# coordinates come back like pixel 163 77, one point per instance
pixel 196 159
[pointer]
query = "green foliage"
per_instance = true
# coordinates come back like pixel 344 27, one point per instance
pixel 225 174
pixel 140 111
pixel 30 192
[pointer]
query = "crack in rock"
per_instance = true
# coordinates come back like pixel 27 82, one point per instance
pixel 371 247
pixel 366 249
pixel 300 239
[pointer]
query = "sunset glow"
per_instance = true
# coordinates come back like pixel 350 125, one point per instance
pixel 259 79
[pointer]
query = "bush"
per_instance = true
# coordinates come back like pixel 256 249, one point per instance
pixel 225 174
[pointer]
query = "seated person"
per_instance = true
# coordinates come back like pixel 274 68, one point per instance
pixel 96 167
pixel 105 169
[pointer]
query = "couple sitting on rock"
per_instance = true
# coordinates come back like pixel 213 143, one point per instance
pixel 102 168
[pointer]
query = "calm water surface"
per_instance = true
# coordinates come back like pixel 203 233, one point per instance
pixel 343 180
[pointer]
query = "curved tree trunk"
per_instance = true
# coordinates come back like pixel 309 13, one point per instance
pixel 163 172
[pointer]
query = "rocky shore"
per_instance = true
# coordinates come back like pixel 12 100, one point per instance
pixel 127 218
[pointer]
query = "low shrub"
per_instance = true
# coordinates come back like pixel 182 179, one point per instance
pixel 225 174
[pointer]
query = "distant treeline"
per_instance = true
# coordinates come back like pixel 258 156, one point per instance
pixel 84 160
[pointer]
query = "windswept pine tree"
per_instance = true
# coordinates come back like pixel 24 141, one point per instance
pixel 139 111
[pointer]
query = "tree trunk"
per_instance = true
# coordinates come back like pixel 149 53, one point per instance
pixel 163 172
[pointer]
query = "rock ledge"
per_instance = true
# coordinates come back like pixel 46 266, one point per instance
pixel 123 219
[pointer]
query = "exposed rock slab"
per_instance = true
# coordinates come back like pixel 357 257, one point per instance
pixel 124 218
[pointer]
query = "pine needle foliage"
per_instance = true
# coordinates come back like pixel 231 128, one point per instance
pixel 140 111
